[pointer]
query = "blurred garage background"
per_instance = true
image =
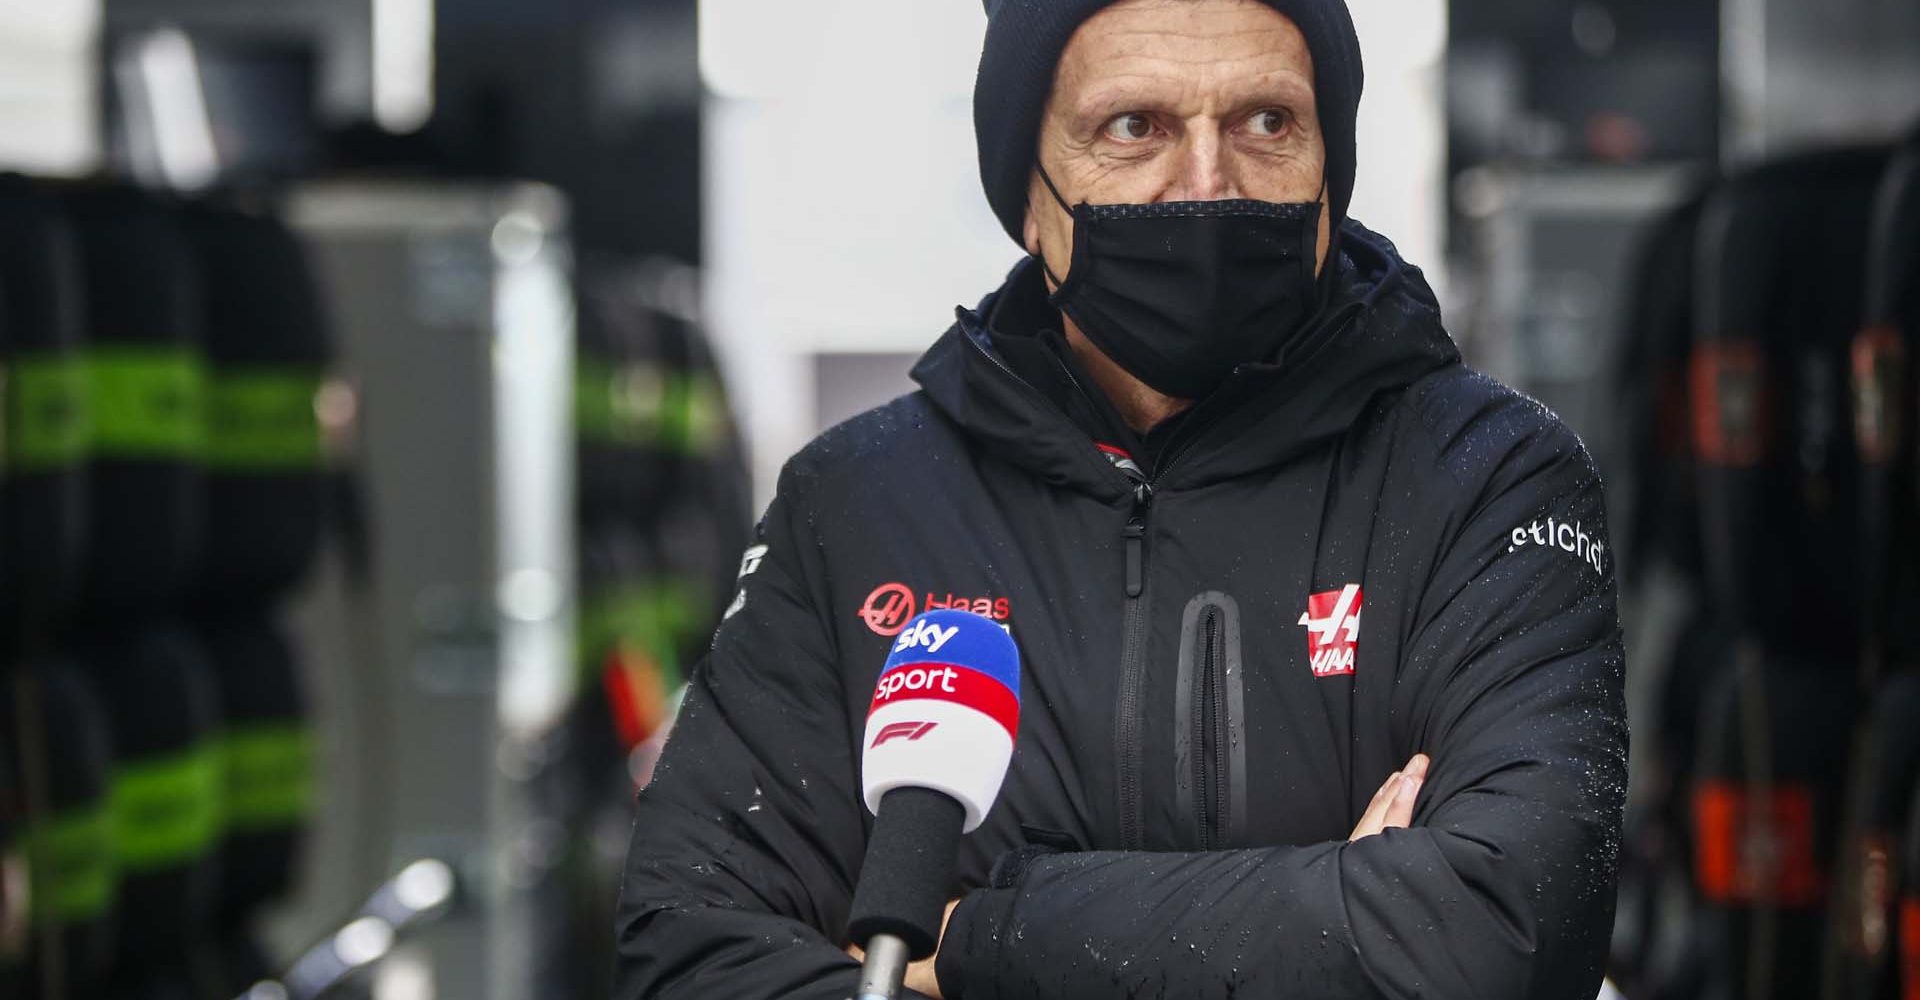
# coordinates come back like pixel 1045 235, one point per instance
pixel 387 389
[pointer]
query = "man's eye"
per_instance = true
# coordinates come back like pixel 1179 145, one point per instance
pixel 1268 123
pixel 1129 127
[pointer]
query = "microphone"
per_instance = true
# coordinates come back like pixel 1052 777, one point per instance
pixel 938 740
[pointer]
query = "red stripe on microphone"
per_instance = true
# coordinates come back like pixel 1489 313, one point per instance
pixel 949 682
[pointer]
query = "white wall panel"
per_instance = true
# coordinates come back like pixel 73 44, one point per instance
pixel 48 90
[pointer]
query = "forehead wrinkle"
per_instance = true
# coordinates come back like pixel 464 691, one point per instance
pixel 1192 11
pixel 1129 58
pixel 1204 25
pixel 1145 91
pixel 1169 44
pixel 1285 87
pixel 1212 92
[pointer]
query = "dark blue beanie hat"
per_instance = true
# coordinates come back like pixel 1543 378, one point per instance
pixel 1024 42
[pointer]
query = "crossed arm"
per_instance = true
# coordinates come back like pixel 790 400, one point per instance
pixel 1498 884
pixel 1391 806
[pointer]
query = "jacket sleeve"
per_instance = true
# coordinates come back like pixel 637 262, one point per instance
pixel 748 839
pixel 1503 888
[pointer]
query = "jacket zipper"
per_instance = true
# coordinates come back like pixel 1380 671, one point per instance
pixel 1216 791
pixel 1133 648
pixel 1133 654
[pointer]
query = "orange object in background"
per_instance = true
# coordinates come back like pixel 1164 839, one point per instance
pixel 1910 948
pixel 636 691
pixel 1730 416
pixel 1739 863
pixel 1879 383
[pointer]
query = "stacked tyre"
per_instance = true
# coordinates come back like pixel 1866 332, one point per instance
pixel 160 496
pixel 267 352
pixel 144 355
pixel 1771 405
pixel 662 519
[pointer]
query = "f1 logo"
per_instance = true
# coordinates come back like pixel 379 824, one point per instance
pixel 909 731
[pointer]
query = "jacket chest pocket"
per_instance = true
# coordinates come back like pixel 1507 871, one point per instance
pixel 1262 741
pixel 1209 738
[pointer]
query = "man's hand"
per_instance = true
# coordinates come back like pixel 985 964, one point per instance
pixel 1392 805
pixel 920 976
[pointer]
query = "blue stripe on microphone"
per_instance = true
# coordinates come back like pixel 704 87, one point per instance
pixel 961 638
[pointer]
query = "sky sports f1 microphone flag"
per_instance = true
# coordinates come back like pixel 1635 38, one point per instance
pixel 945 711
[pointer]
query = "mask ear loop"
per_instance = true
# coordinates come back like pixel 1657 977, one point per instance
pixel 1324 214
pixel 1048 179
pixel 1064 208
pixel 1324 273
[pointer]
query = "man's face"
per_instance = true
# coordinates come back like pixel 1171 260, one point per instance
pixel 1177 100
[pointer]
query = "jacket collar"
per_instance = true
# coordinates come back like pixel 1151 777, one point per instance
pixel 1379 331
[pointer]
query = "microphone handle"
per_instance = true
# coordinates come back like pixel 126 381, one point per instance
pixel 908 872
pixel 885 968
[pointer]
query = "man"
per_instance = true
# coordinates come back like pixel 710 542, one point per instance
pixel 1262 541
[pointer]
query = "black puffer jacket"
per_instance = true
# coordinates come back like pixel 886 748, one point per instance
pixel 1362 551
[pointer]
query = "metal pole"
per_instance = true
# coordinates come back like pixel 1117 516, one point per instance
pixel 1743 76
pixel 885 968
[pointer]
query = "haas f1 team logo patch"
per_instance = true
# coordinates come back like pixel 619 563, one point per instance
pixel 887 610
pixel 1332 622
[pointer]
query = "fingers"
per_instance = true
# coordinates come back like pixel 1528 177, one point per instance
pixel 1400 813
pixel 1375 818
pixel 922 979
pixel 922 976
pixel 1392 805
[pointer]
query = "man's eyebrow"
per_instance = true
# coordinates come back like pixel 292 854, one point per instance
pixel 1122 94
pixel 1284 89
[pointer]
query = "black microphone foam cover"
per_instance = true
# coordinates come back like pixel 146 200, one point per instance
pixel 908 870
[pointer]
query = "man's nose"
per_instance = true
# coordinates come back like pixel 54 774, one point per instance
pixel 1204 173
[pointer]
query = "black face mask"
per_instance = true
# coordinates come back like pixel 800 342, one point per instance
pixel 1181 293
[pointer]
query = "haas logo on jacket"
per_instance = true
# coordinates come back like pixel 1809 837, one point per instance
pixel 1332 622
pixel 887 610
